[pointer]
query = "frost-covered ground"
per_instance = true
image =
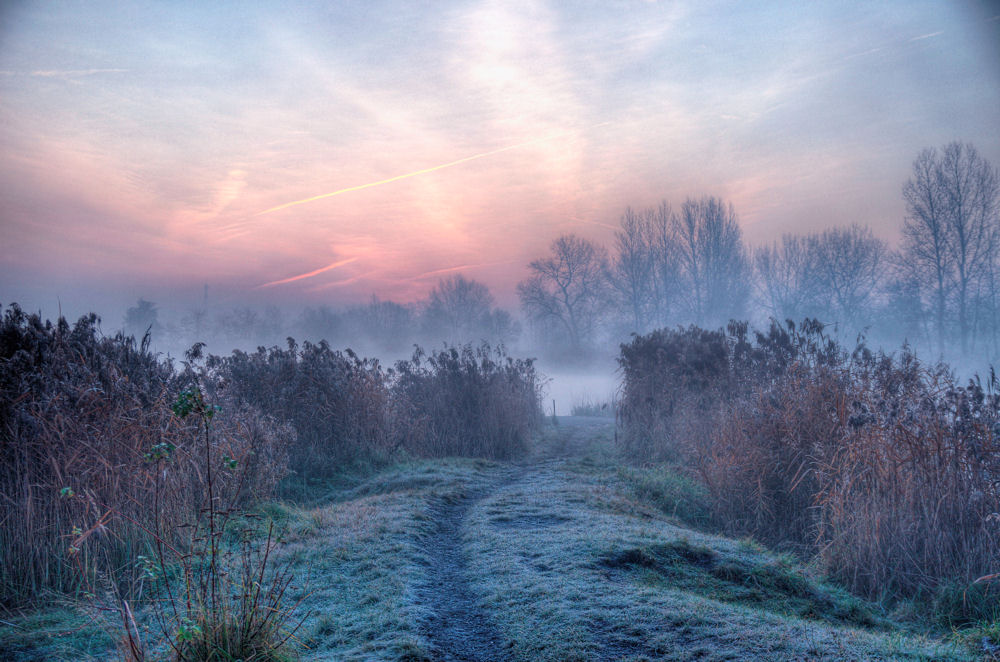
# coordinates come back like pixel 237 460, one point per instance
pixel 563 556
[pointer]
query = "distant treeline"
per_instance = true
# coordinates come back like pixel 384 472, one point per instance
pixel 89 439
pixel 939 290
pixel 457 311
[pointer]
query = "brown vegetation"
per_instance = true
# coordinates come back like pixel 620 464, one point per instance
pixel 467 401
pixel 95 466
pixel 337 402
pixel 80 418
pixel 883 467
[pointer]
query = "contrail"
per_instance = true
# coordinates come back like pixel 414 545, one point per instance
pixel 584 220
pixel 339 263
pixel 420 172
pixel 451 269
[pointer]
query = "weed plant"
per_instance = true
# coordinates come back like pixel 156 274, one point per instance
pixel 206 599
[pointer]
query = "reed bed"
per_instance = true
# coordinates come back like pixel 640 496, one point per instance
pixel 882 468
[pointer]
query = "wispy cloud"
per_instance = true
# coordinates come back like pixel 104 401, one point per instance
pixel 63 73
pixel 449 270
pixel 309 274
pixel 927 36
pixel 416 144
pixel 342 283
pixel 424 171
pixel 870 51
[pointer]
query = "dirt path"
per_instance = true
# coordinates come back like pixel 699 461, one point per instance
pixel 458 628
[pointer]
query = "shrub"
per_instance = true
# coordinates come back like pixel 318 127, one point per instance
pixel 336 402
pixel 678 382
pixel 466 401
pixel 759 460
pixel 669 376
pixel 86 422
pixel 907 503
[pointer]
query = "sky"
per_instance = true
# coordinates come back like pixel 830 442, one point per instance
pixel 317 153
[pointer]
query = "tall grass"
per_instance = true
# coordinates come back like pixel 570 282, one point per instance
pixel 86 421
pixel 213 601
pixel 80 416
pixel 672 380
pixel 884 468
pixel 473 401
pixel 337 402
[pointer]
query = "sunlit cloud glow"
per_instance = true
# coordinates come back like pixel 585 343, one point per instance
pixel 422 171
pixel 241 145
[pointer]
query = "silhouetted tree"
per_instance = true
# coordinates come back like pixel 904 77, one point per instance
pixel 568 287
pixel 383 324
pixel 903 315
pixel 643 273
pixel 950 231
pixel 786 287
pixel 142 317
pixel 989 300
pixel 239 323
pixel 502 327
pixel 848 265
pixel 712 260
pixel 662 229
pixel 459 308
pixel 321 323
pixel 925 236
pixel 631 272
pixel 970 191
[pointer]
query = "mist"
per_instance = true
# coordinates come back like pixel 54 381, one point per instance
pixel 499 330
pixel 934 291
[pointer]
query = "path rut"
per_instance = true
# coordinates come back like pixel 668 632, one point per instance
pixel 458 628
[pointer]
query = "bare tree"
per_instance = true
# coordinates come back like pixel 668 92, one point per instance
pixel 848 266
pixel 631 270
pixel 925 235
pixel 904 314
pixel 568 287
pixel 383 325
pixel 712 260
pixel 786 288
pixel 240 323
pixel 322 323
pixel 460 308
pixel 950 231
pixel 990 299
pixel 502 327
pixel 970 192
pixel 666 270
